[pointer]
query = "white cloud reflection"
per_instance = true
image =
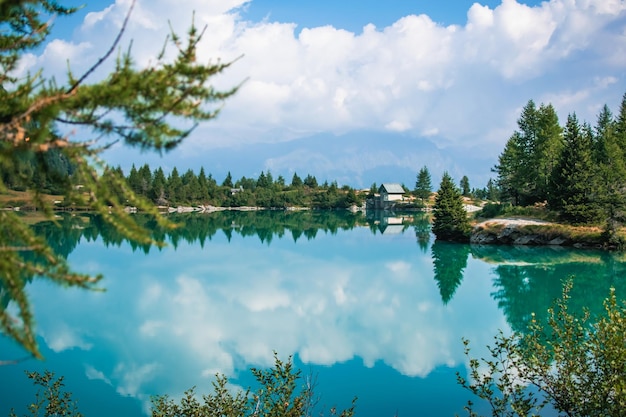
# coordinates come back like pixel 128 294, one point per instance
pixel 175 318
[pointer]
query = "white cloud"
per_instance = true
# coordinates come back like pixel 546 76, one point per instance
pixel 433 131
pixel 61 337
pixel 94 18
pixel 133 377
pixel 94 374
pixel 458 83
pixel 479 17
pixel 398 126
pixel 175 318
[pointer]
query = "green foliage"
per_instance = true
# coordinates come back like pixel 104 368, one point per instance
pixel 296 181
pixel 577 365
pixel 51 399
pixel 525 166
pixel 220 403
pixel 579 171
pixel 574 188
pixel 491 210
pixel 283 392
pixel 465 186
pixel 611 167
pixel 450 221
pixel 548 147
pixel 196 190
pixel 151 107
pixel 372 191
pixel 310 181
pixel 423 186
pixel 509 169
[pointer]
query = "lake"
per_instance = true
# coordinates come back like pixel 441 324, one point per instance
pixel 369 306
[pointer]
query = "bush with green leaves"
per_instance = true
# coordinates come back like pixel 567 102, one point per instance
pixel 51 398
pixel 282 392
pixel 279 395
pixel 576 365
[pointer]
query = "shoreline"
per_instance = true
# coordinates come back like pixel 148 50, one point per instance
pixel 534 232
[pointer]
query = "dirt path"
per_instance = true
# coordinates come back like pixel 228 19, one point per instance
pixel 513 221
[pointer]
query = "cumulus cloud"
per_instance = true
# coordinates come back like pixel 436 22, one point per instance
pixel 414 76
pixel 61 337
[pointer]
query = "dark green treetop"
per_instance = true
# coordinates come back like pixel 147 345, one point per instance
pixel 525 166
pixel 423 185
pixel 574 185
pixel 465 186
pixel 450 221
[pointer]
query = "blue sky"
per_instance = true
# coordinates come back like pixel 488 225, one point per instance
pixel 353 15
pixel 367 91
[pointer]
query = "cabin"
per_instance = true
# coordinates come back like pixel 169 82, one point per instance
pixel 391 192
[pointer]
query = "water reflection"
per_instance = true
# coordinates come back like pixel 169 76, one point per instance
pixel 335 289
pixel 421 225
pixel 65 233
pixel 449 262
pixel 529 279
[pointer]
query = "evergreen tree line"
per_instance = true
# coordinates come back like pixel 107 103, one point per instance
pixel 47 171
pixel 424 188
pixel 578 170
pixel 264 191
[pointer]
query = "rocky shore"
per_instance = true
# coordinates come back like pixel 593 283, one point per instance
pixel 530 232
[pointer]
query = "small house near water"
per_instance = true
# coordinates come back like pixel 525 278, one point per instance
pixel 388 195
pixel 391 192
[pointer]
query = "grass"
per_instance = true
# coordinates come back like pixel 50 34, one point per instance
pixel 24 199
pixel 591 235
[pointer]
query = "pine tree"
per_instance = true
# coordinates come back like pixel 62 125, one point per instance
pixel 373 190
pixel 264 180
pixel 228 181
pixel 191 187
pixel 450 221
pixel 509 169
pixel 611 170
pixel 174 187
pixel 526 138
pixel 526 165
pixel 465 186
pixel 620 126
pixel 296 181
pixel 493 193
pixel 423 185
pixel 547 150
pixel 157 191
pixel 310 181
pixel 151 107
pixel 145 180
pixel 203 185
pixel 573 188
pixel 133 180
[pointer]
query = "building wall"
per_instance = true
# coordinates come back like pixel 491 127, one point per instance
pixel 394 197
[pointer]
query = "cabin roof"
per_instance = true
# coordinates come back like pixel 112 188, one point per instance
pixel 391 188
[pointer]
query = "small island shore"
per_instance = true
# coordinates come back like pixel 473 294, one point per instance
pixel 535 232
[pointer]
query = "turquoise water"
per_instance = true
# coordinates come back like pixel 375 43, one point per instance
pixel 371 307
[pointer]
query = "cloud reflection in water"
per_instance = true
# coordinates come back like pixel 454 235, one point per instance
pixel 173 318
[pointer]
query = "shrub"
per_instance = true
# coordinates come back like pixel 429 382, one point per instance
pixel 577 365
pixel 278 395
